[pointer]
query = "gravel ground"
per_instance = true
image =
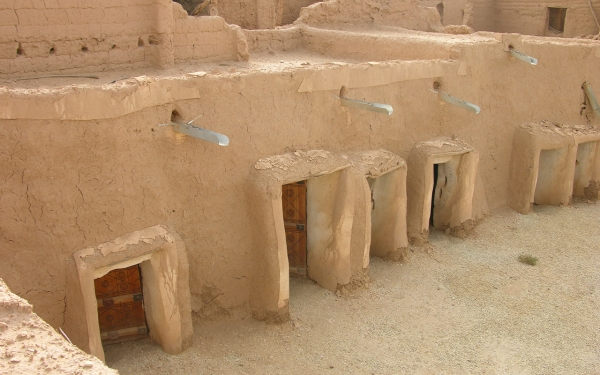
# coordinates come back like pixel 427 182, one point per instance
pixel 467 307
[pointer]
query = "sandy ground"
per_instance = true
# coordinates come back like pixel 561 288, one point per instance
pixel 468 307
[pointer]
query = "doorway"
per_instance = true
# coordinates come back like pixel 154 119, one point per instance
pixel 295 218
pixel 120 299
pixel 433 191
pixel 584 170
pixel 445 193
pixel 550 177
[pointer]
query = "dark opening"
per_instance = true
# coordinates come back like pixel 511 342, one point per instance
pixel 52 50
pixel 195 7
pixel 556 20
pixel 19 50
pixel 440 9
pixel 153 40
pixel 435 178
pixel 140 42
pixel 294 201
pixel 84 49
pixel 291 10
pixel 176 117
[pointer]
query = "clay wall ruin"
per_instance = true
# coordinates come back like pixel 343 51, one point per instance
pixel 91 36
pixel 74 177
pixel 38 35
pixel 85 164
pixel 531 18
pixel 451 11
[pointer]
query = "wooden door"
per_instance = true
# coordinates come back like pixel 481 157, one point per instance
pixel 294 218
pixel 121 305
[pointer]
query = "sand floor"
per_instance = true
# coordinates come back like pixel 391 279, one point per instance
pixel 467 307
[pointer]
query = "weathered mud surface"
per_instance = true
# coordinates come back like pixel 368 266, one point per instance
pixel 466 307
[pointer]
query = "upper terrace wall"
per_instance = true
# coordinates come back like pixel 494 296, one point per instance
pixel 531 17
pixel 85 36
pixel 38 35
pixel 261 14
pixel 407 14
pixel 99 169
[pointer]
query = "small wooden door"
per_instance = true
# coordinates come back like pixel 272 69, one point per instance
pixel 121 305
pixel 294 218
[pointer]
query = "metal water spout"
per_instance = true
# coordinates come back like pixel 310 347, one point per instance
pixel 521 56
pixel 591 98
pixel 197 132
pixel 457 102
pixel 366 106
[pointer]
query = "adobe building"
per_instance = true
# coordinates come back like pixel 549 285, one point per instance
pixel 157 165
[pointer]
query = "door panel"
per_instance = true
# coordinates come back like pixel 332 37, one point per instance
pixel 294 217
pixel 121 305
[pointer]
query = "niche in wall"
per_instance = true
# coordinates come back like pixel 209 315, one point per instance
pixel 556 21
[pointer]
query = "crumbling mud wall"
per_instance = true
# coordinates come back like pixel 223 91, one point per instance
pixel 451 11
pixel 70 36
pixel 531 17
pixel 406 14
pixel 292 8
pixel 206 38
pixel 31 346
pixel 38 36
pixel 86 164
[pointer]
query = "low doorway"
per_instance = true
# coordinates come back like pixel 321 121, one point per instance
pixel 440 186
pixel 120 299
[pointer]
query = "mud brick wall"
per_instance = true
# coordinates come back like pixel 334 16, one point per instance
pixel 531 17
pixel 68 35
pixel 61 36
pixel 202 38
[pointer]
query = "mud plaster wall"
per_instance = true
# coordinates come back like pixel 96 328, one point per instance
pixel 86 36
pixel 531 17
pixel 453 10
pixel 483 15
pixel 291 9
pixel 66 185
pixel 205 38
pixel 108 29
pixel 407 14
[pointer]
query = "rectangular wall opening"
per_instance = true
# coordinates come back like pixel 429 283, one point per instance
pixel 584 168
pixel 120 299
pixel 385 205
pixel 295 219
pixel 549 184
pixel 445 192
pixel 433 195
pixel 556 21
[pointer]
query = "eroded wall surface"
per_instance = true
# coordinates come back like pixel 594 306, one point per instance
pixel 531 17
pixel 68 184
pixel 31 346
pixel 90 36
pixel 86 164
pixel 38 35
